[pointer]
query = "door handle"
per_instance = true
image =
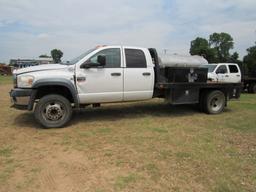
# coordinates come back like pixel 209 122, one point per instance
pixel 115 74
pixel 81 79
pixel 227 76
pixel 146 74
pixel 238 75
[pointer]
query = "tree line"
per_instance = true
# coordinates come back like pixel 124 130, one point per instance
pixel 217 49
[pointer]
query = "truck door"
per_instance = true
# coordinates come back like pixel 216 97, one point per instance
pixel 101 84
pixel 234 73
pixel 222 73
pixel 138 75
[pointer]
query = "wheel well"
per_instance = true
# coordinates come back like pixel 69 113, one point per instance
pixel 54 89
pixel 203 92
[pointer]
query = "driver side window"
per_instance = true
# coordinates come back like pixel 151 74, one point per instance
pixel 222 69
pixel 113 58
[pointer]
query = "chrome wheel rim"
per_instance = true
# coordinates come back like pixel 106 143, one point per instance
pixel 53 111
pixel 216 103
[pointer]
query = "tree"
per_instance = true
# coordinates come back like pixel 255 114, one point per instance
pixel 250 60
pixel 56 55
pixel 234 57
pixel 200 46
pixel 222 43
pixel 44 56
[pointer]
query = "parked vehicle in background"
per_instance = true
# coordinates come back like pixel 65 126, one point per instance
pixel 5 70
pixel 231 73
pixel 224 72
pixel 249 81
pixel 110 74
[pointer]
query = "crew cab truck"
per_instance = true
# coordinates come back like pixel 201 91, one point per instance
pixel 231 73
pixel 110 74
pixel 224 72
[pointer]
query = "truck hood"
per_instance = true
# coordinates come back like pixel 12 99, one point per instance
pixel 42 67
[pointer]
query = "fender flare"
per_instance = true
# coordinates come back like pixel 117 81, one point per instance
pixel 56 82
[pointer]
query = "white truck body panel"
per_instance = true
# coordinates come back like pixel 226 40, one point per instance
pixel 231 73
pixel 136 85
pixel 101 87
pixel 40 68
pixel 48 71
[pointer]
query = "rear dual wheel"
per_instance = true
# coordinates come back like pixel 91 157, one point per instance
pixel 213 102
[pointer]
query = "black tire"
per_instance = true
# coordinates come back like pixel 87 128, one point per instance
pixel 53 111
pixel 214 102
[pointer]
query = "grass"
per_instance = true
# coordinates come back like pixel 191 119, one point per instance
pixel 8 162
pixel 5 80
pixel 124 181
pixel 6 151
pixel 143 146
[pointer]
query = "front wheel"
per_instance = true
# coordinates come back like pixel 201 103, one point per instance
pixel 214 102
pixel 53 111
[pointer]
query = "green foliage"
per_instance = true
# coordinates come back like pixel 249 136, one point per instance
pixel 44 56
pixel 234 57
pixel 200 46
pixel 56 55
pixel 250 60
pixel 222 43
pixel 216 50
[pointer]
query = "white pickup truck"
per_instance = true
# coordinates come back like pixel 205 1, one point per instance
pixel 113 74
pixel 224 72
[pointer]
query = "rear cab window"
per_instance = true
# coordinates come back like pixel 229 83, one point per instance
pixel 233 69
pixel 135 58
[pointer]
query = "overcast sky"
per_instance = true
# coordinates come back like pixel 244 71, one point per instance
pixel 29 28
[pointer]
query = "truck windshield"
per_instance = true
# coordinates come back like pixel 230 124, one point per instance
pixel 75 60
pixel 210 67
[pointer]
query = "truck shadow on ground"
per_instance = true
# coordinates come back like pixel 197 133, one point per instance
pixel 116 113
pixel 26 120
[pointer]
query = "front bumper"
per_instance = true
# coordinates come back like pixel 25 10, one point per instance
pixel 22 98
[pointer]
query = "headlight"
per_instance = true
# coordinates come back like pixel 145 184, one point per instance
pixel 25 81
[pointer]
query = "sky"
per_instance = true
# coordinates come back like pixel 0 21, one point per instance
pixel 29 28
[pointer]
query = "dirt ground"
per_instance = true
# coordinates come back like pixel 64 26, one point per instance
pixel 143 146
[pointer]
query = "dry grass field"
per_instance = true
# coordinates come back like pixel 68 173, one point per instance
pixel 142 146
